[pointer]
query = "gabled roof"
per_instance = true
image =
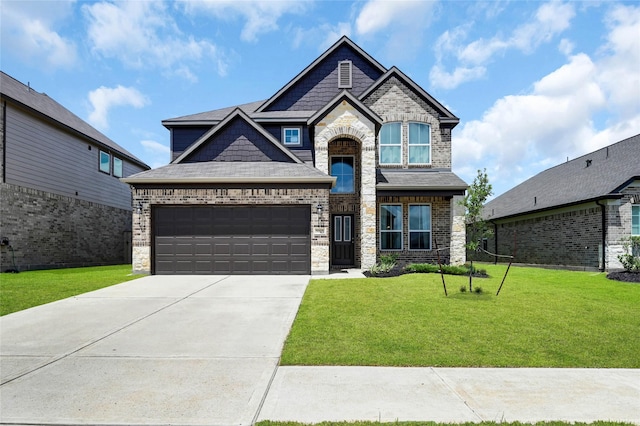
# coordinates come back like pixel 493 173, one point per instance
pixel 237 113
pixel 353 101
pixel 213 172
pixel 43 105
pixel 344 40
pixel 599 175
pixel 446 116
pixel 420 180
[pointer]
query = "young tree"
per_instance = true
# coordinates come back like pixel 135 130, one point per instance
pixel 473 203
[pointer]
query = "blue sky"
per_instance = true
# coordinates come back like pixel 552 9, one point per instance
pixel 534 83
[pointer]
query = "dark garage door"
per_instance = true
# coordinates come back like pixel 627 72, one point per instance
pixel 232 240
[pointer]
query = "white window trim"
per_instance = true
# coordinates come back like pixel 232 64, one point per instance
pixel 284 132
pixel 337 226
pixel 353 158
pixel 100 152
pixel 384 231
pixel 346 236
pixel 409 144
pixel 398 144
pixel 632 206
pixel 409 230
pixel 113 159
pixel 341 84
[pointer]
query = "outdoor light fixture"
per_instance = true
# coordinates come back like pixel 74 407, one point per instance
pixel 319 209
pixel 139 209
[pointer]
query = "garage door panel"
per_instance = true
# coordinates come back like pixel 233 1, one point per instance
pixel 232 239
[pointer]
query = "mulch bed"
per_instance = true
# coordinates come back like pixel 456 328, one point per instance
pixel 629 277
pixel 396 272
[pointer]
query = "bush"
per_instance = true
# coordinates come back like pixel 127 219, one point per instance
pixel 447 269
pixel 631 259
pixel 387 263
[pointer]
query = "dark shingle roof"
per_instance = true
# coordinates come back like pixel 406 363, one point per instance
pixel 597 175
pixel 232 172
pixel 43 104
pixel 424 179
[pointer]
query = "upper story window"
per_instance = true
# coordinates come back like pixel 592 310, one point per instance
pixel 342 169
pixel 391 143
pixel 117 167
pixel 105 162
pixel 292 135
pixel 419 143
pixel 344 75
pixel 635 220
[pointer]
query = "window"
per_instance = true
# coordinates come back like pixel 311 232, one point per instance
pixel 291 136
pixel 342 169
pixel 105 162
pixel 117 167
pixel 419 143
pixel 420 227
pixel 635 220
pixel 340 232
pixel 391 227
pixel 391 143
pixel 344 75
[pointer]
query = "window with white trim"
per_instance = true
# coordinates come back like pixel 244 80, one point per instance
pixel 419 227
pixel 105 162
pixel 117 167
pixel 391 227
pixel 391 143
pixel 419 143
pixel 342 170
pixel 292 135
pixel 635 220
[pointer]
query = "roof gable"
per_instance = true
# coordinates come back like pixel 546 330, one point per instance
pixel 237 138
pixel 317 84
pixel 52 110
pixel 445 115
pixel 353 101
pixel 598 175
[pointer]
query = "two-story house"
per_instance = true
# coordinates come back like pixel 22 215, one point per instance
pixel 61 201
pixel 347 162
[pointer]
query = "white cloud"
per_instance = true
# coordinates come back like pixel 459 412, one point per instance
pixel 322 36
pixel 261 16
pixel 158 154
pixel 403 21
pixel 104 98
pixel 142 34
pixel 550 20
pixel 28 30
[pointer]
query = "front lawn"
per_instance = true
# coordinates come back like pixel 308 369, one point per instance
pixel 542 318
pixel 33 288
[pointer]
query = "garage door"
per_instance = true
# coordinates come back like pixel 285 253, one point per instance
pixel 232 240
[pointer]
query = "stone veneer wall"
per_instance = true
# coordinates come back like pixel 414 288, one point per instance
pixel 345 122
pixel 272 195
pixel 49 231
pixel 440 229
pixel 618 219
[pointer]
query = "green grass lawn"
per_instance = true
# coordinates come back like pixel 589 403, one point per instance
pixel 33 288
pixel 542 318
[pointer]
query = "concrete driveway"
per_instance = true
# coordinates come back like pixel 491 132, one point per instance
pixel 157 350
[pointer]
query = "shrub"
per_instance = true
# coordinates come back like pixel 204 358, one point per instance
pixel 463 289
pixel 478 290
pixel 631 259
pixel 447 269
pixel 386 264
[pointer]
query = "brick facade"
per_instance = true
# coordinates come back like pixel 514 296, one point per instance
pixel 212 195
pixel 53 231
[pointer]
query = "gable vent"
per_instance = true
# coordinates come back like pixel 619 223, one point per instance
pixel 344 75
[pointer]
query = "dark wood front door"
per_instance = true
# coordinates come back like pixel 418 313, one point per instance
pixel 342 247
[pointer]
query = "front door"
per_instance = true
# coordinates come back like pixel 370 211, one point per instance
pixel 342 247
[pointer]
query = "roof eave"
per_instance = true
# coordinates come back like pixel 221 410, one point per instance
pixel 187 180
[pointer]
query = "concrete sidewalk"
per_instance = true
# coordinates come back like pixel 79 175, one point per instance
pixel 388 394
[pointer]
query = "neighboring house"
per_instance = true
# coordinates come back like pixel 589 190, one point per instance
pixel 61 201
pixel 347 162
pixel 576 214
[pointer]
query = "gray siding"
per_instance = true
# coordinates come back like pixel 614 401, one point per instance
pixel 48 158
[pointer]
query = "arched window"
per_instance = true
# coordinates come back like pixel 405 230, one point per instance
pixel 419 143
pixel 391 143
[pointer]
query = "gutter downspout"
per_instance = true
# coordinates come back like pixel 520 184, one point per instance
pixel 604 235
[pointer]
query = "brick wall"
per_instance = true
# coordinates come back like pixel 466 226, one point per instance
pixel 52 231
pixel 212 195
